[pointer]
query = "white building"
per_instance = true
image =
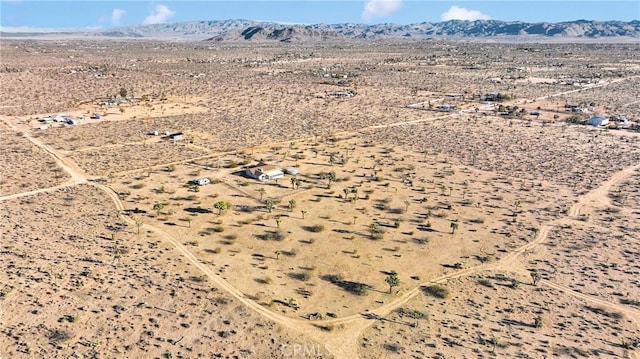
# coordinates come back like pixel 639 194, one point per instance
pixel 202 181
pixel 265 173
pixel 598 121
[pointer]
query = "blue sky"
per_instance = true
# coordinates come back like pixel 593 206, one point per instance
pixel 108 14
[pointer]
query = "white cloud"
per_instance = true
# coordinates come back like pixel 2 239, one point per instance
pixel 379 8
pixel 116 15
pixel 460 13
pixel 160 14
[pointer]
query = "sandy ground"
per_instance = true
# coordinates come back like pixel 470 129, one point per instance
pixel 109 252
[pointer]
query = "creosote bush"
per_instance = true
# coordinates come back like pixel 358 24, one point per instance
pixel 436 290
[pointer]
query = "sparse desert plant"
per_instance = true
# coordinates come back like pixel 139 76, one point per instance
pixel 515 284
pixel 454 226
pixel 437 291
pixel 375 231
pixel 317 228
pixel 158 207
pixel 486 283
pixel 392 280
pixel 535 277
pixel 221 206
pixel 269 204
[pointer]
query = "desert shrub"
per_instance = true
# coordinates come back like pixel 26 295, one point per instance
pixel 59 336
pixel 198 279
pixel 411 313
pixel 421 240
pixel 394 348
pixel 315 228
pixel 302 276
pixel 355 287
pixel 603 311
pixel 334 278
pixel 275 236
pixel 437 291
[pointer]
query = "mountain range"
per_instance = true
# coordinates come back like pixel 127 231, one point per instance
pixel 249 30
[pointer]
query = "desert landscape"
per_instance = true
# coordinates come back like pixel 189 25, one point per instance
pixel 423 199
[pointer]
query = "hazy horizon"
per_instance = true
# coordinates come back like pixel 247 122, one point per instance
pixel 46 16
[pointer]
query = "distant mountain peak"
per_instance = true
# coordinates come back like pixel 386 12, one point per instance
pixel 240 30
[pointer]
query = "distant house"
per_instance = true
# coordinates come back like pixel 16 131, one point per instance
pixel 175 136
pixel 202 181
pixel 265 172
pixel 598 121
pixel 445 108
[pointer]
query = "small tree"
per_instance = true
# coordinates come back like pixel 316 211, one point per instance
pixel 535 277
pixel 454 226
pixel 538 322
pixel 269 204
pixel 292 204
pixel 158 207
pixel 495 342
pixel 392 280
pixel 139 224
pixel 221 206
pixel 278 221
pixel 374 229
pixel 189 219
pixel 303 213
pixel 123 92
pixel 277 253
pixel 262 192
pixel 331 176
